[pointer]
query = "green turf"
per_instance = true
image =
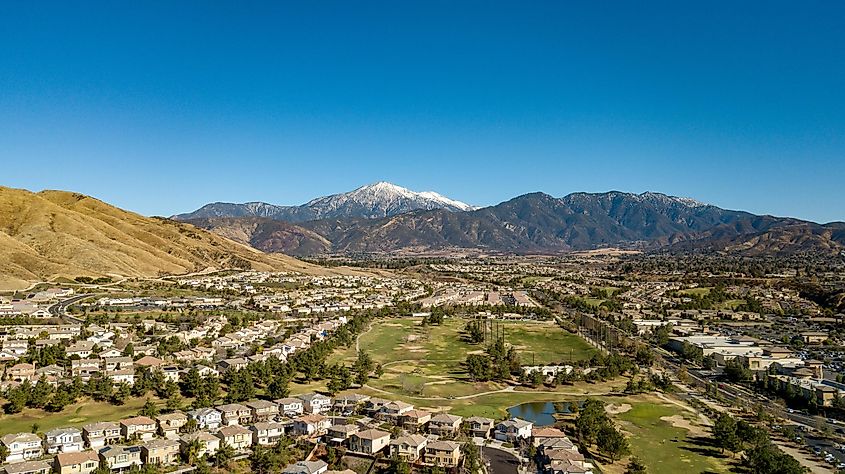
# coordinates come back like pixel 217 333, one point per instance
pixel 77 415
pixel 665 448
pixel 432 356
pixel 695 291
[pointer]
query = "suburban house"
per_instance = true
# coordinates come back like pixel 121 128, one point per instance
pixel 408 448
pixel 545 435
pixel 479 426
pixel 311 425
pixel 565 461
pixel 85 368
pixel 306 467
pixel 513 430
pixel 232 364
pixel 369 441
pixel 443 453
pixel 121 458
pixel 22 446
pixel 21 373
pixel 339 434
pixel 27 467
pixel 101 434
pixel 63 440
pixel 290 406
pixel 414 420
pixel 118 363
pixel 83 462
pixel 444 424
pixel 153 363
pixel 348 404
pixel 140 427
pixel 393 410
pixel 169 424
pixel 208 443
pixel 262 410
pixel 207 418
pixel 163 452
pixel 315 403
pixel 82 349
pixel 234 414
pixel 374 404
pixel 235 436
pixel 266 433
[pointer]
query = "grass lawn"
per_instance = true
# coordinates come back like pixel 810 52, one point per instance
pixel 78 414
pixel 427 361
pixel 732 304
pixel 594 302
pixel 702 291
pixel 679 444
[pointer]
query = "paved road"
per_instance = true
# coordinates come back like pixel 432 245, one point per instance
pixel 500 462
pixel 58 309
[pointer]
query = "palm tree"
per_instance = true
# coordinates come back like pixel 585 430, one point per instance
pixel 192 451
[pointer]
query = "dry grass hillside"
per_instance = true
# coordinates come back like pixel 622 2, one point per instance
pixel 53 234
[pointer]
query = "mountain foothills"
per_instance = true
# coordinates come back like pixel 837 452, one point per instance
pixel 378 218
pixel 53 234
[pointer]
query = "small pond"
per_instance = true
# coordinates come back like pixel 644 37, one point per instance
pixel 540 413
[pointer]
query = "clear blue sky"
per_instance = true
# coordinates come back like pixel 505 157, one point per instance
pixel 160 107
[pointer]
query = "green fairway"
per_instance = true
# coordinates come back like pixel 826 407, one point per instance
pixel 669 439
pixel 427 362
pixel 78 414
pixel 703 291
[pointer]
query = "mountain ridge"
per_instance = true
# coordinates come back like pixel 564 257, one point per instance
pixel 538 222
pixel 380 199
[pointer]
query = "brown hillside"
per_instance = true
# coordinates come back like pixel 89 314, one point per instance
pixel 54 234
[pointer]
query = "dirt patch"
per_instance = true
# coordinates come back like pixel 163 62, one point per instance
pixel 679 421
pixel 614 409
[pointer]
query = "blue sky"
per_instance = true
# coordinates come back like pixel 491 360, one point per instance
pixel 160 107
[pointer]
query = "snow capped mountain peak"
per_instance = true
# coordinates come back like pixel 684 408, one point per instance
pixel 382 199
pixel 376 200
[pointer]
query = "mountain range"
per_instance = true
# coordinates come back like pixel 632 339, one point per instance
pixel 380 218
pixel 371 201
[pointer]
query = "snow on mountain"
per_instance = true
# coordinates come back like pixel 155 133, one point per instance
pixel 384 199
pixel 375 200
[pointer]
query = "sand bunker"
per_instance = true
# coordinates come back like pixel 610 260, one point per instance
pixel 680 422
pixel 614 409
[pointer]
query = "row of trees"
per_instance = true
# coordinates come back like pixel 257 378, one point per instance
pixel 761 456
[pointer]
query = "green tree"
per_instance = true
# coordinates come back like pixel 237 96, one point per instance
pixel 150 409
pixel 635 466
pixel 611 442
pixel 725 433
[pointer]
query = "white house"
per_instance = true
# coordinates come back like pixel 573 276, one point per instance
pixel 315 403
pixel 22 446
pixel 513 430
pixel 63 440
pixel 207 418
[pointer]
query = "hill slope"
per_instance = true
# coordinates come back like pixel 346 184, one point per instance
pixel 54 234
